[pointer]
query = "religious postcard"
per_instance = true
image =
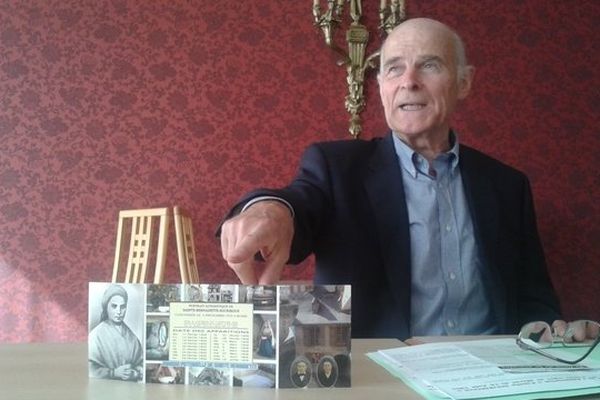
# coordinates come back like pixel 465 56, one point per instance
pixel 285 336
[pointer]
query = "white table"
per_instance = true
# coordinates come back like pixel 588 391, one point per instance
pixel 59 371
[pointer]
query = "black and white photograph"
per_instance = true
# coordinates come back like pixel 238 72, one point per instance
pixel 115 322
pixel 192 293
pixel 263 376
pixel 262 297
pixel 264 336
pixel 208 376
pixel 160 296
pixel 315 321
pixel 157 338
pixel 158 373
pixel 327 371
pixel 300 372
pixel 211 293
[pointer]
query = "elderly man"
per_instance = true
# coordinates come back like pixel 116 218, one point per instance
pixel 301 375
pixel 435 237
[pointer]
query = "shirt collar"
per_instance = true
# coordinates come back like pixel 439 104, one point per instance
pixel 408 156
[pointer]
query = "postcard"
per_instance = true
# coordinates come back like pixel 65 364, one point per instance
pixel 285 336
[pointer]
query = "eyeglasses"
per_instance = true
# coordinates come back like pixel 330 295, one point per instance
pixel 538 336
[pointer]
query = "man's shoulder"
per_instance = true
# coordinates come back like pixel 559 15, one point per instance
pixel 348 151
pixel 349 144
pixel 473 158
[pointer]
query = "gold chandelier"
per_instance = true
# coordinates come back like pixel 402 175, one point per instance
pixel 357 37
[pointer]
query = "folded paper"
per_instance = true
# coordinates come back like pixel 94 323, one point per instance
pixel 286 336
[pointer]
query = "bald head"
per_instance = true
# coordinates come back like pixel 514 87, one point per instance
pixel 422 78
pixel 428 26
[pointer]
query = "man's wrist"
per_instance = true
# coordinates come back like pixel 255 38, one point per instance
pixel 269 198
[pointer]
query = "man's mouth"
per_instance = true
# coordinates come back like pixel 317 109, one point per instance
pixel 412 106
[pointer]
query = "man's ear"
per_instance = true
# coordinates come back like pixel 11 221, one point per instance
pixel 464 83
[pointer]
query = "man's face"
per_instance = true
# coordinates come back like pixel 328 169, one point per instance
pixel 327 367
pixel 418 80
pixel 301 368
pixel 117 307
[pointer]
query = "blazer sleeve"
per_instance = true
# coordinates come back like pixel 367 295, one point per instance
pixel 536 296
pixel 309 195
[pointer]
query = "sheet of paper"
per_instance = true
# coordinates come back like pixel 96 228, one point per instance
pixel 487 368
pixel 217 333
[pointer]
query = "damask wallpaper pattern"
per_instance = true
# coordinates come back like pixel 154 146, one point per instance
pixel 109 105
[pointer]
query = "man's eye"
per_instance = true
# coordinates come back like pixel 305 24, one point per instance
pixel 431 66
pixel 393 70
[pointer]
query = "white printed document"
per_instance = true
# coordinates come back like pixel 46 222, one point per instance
pixel 488 368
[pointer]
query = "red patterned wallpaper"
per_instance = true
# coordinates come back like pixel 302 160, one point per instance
pixel 109 105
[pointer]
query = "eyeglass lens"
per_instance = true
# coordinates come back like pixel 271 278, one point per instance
pixel 542 335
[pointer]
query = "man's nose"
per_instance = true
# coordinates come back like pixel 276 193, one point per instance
pixel 410 79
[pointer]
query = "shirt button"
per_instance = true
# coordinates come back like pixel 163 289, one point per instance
pixel 452 276
pixel 448 228
pixel 450 324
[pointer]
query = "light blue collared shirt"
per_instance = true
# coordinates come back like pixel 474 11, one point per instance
pixel 448 296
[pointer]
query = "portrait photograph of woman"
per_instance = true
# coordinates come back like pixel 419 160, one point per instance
pixel 114 347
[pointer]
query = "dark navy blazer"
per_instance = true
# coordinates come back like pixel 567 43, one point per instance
pixel 351 213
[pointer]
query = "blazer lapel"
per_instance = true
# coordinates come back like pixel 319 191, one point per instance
pixel 385 191
pixel 483 206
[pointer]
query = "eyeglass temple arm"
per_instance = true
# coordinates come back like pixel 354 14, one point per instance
pixel 543 353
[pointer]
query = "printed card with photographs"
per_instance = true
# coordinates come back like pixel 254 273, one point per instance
pixel 285 336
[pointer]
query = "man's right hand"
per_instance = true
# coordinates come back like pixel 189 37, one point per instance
pixel 266 227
